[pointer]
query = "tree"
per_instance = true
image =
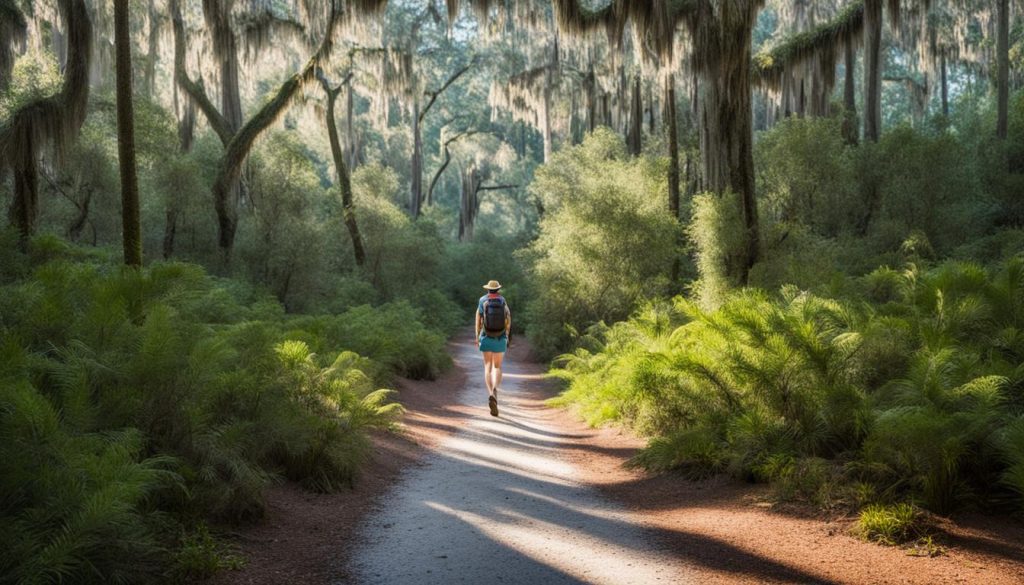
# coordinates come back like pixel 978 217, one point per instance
pixel 416 195
pixel 1002 68
pixel 130 223
pixel 52 120
pixel 237 137
pixel 341 169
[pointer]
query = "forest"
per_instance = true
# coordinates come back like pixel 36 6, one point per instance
pixel 780 241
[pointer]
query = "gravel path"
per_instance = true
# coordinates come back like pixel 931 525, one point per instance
pixel 498 502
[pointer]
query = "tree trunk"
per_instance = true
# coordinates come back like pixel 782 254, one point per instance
pixel 673 147
pixel 945 86
pixel 590 85
pixel 634 139
pixel 468 203
pixel 872 70
pixel 149 79
pixel 130 223
pixel 650 110
pixel 344 180
pixel 547 121
pixel 673 158
pixel 170 230
pixel 850 126
pixel 186 134
pixel 727 134
pixel 350 131
pixel 25 205
pixel 416 191
pixel 78 224
pixel 1003 69
pixel 575 131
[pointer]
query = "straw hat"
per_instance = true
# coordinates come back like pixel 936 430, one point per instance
pixel 493 285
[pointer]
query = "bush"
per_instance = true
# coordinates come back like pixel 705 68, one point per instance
pixel 910 388
pixel 137 404
pixel 892 525
pixel 719 246
pixel 606 241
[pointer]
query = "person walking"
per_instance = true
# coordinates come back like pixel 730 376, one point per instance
pixel 493 327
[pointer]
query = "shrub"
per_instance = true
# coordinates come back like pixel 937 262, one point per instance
pixel 892 525
pixel 606 241
pixel 137 404
pixel 908 388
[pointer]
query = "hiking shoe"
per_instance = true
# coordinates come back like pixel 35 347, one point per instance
pixel 493 403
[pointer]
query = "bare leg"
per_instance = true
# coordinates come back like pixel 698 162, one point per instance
pixel 488 367
pixel 496 370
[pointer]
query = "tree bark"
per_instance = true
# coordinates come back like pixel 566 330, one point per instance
pixel 727 133
pixel 945 86
pixel 352 152
pixel 546 123
pixel 872 70
pixel 673 158
pixel 131 228
pixel 344 179
pixel 416 185
pixel 1003 69
pixel 468 203
pixel 851 130
pixel 590 86
pixel 673 147
pixel 636 120
pixel 153 40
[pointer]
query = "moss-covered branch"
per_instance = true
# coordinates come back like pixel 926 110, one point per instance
pixel 195 91
pixel 51 120
pixel 823 43
pixel 242 141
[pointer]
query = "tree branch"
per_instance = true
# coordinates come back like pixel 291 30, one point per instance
pixel 496 187
pixel 823 42
pixel 434 94
pixel 447 161
pixel 217 121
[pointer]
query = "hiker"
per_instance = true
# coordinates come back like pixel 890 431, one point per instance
pixel 493 326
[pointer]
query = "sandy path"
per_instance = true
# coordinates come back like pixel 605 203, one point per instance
pixel 536 496
pixel 498 501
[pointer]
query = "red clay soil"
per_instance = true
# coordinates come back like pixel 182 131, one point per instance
pixel 727 531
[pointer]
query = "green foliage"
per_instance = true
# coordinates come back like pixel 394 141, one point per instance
pixel 890 525
pixel 918 395
pixel 606 241
pixel 201 556
pixel 135 404
pixel 806 175
pixel 35 76
pixel 719 245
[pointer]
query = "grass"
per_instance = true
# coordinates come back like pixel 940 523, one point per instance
pixel 889 524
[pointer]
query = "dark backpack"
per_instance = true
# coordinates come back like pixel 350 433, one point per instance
pixel 494 316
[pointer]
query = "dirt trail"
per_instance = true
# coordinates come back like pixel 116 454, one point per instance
pixel 535 496
pixel 498 502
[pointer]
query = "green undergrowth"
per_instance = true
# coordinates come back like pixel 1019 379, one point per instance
pixel 908 387
pixel 139 406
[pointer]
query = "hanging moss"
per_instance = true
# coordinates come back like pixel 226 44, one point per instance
pixel 49 121
pixel 12 30
pixel 821 46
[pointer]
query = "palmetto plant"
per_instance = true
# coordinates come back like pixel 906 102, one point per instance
pixel 131 412
pixel 917 393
